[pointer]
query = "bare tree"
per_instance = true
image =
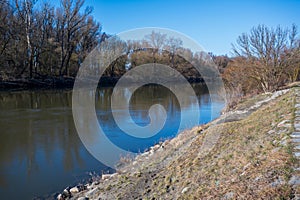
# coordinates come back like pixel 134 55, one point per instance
pixel 25 12
pixel 173 44
pixel 70 22
pixel 265 49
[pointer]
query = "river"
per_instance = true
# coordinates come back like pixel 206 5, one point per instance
pixel 40 151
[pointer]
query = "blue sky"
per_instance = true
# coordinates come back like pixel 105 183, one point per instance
pixel 214 24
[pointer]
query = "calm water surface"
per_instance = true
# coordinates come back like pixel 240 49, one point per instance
pixel 40 151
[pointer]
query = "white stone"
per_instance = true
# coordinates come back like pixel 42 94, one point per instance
pixel 297 154
pixel 283 123
pixel 105 176
pixel 59 197
pixel 74 190
pixel 82 198
pixel 185 190
pixel 155 147
pixel 91 192
pixel 113 175
pixel 229 195
pixel 296 140
pixel 295 180
pixel 295 135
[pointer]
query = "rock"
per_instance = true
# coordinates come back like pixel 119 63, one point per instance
pixel 74 190
pixel 283 142
pixel 105 176
pixel 297 169
pixel 145 153
pixel 284 123
pixel 113 175
pixel 155 147
pixel 297 147
pixel 151 152
pixel 83 198
pixel 66 193
pixel 81 187
pixel 59 197
pixel 277 182
pixel 89 187
pixel 91 192
pixel 242 174
pixel 297 127
pixel 276 149
pixel 295 135
pixel 246 166
pixel 296 140
pixel 185 190
pixel 295 180
pixel 258 178
pixel 166 142
pixel 229 195
pixel 297 154
pixel 271 132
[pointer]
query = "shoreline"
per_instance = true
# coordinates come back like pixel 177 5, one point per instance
pixel 65 83
pixel 163 153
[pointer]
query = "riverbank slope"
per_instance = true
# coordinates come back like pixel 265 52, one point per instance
pixel 246 153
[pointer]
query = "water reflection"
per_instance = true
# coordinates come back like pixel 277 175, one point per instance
pixel 40 151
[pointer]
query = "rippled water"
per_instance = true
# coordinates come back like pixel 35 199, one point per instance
pixel 41 153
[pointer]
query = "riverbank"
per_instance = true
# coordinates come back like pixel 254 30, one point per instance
pixel 37 83
pixel 246 153
pixel 64 83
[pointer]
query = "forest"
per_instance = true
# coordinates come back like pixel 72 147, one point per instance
pixel 45 45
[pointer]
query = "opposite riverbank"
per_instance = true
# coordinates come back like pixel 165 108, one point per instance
pixel 65 83
pixel 246 153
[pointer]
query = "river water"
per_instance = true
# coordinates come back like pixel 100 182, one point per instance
pixel 41 153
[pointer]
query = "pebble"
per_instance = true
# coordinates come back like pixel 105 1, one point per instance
pixel 284 123
pixel 91 192
pixel 296 140
pixel 229 195
pixel 83 198
pixel 59 197
pixel 185 190
pixel 277 182
pixel 295 134
pixel 297 154
pixel 113 175
pixel 66 193
pixel 295 180
pixel 74 190
pixel 105 176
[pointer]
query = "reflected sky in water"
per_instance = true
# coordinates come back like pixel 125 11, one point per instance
pixel 40 151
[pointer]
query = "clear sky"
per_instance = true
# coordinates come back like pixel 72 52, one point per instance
pixel 214 24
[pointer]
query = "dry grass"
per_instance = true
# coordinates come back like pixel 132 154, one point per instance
pixel 247 162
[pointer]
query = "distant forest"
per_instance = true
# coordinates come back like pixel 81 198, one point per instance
pixel 41 44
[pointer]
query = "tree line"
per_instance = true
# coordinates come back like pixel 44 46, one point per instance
pixel 264 60
pixel 155 47
pixel 42 40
